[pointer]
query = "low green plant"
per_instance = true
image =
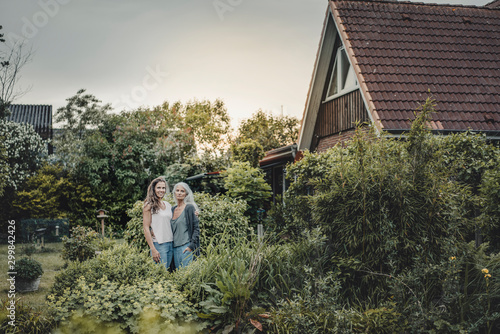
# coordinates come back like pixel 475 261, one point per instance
pixel 27 319
pixel 29 249
pixel 81 245
pixel 120 263
pixel 125 306
pixel 28 269
pixel 222 281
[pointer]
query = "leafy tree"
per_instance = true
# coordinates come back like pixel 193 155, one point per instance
pixel 54 193
pixel 270 131
pixel 247 183
pixel 248 151
pixel 25 151
pixel 82 114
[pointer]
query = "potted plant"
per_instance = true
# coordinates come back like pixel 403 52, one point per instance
pixel 28 273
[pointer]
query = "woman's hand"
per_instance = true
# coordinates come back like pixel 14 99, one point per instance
pixel 156 255
pixel 187 250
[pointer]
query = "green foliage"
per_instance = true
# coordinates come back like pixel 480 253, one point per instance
pixel 27 319
pixel 249 151
pixel 129 307
pixel 221 214
pixel 247 183
pixel 28 269
pixel 269 131
pixel 54 193
pixel 222 281
pixel 25 151
pixel 81 246
pixel 123 289
pixel 456 295
pixel 134 233
pixel 120 263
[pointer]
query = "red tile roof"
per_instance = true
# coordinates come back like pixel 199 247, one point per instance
pixel 403 50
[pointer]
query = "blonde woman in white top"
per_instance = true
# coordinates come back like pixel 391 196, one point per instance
pixel 156 216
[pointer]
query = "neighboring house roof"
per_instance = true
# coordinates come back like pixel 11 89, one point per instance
pixel 279 156
pixel 402 52
pixel 40 116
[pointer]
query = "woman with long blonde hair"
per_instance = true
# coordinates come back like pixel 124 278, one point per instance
pixel 156 216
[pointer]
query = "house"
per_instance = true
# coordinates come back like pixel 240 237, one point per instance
pixel 274 167
pixel 378 61
pixel 39 116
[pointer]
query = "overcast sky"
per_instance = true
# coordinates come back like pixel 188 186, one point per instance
pixel 250 53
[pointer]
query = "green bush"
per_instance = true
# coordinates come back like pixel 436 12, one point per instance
pixel 81 245
pixel 129 307
pixel 222 281
pixel 120 263
pixel 221 214
pixel 27 319
pixel 247 183
pixel 28 269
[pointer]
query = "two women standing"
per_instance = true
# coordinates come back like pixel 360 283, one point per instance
pixel 171 233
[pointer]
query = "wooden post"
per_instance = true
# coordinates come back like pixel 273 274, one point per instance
pixel 102 215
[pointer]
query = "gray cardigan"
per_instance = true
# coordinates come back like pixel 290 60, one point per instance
pixel 193 224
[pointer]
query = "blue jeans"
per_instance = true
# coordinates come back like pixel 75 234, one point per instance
pixel 166 251
pixel 182 259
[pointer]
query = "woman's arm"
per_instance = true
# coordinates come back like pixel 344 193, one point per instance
pixel 146 224
pixel 195 235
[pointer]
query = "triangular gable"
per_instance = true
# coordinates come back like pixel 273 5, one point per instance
pixel 402 52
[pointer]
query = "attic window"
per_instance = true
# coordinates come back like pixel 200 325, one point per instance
pixel 343 80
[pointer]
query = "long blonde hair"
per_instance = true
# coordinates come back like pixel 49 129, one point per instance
pixel 151 197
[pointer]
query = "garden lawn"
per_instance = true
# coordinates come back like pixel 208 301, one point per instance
pixel 52 263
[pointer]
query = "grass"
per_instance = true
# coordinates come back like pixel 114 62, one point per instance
pixel 52 263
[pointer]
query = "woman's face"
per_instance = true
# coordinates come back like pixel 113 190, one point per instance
pixel 160 189
pixel 180 193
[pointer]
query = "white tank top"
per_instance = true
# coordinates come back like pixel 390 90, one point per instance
pixel 160 223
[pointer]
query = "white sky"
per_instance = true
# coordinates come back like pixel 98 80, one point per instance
pixel 250 53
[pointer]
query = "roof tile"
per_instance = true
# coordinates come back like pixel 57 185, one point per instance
pixel 404 50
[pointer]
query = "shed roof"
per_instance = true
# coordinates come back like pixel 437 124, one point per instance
pixel 40 116
pixel 403 52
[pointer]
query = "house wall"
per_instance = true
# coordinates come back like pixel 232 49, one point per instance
pixel 337 119
pixel 332 140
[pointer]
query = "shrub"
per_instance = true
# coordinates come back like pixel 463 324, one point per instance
pixel 247 183
pixel 120 263
pixel 125 306
pixel 221 214
pixel 134 234
pixel 81 245
pixel 28 269
pixel 222 281
pixel 27 319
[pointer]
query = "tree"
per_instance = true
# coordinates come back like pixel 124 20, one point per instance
pixel 54 193
pixel 248 151
pixel 270 131
pixel 25 151
pixel 12 60
pixel 247 183
pixel 82 114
